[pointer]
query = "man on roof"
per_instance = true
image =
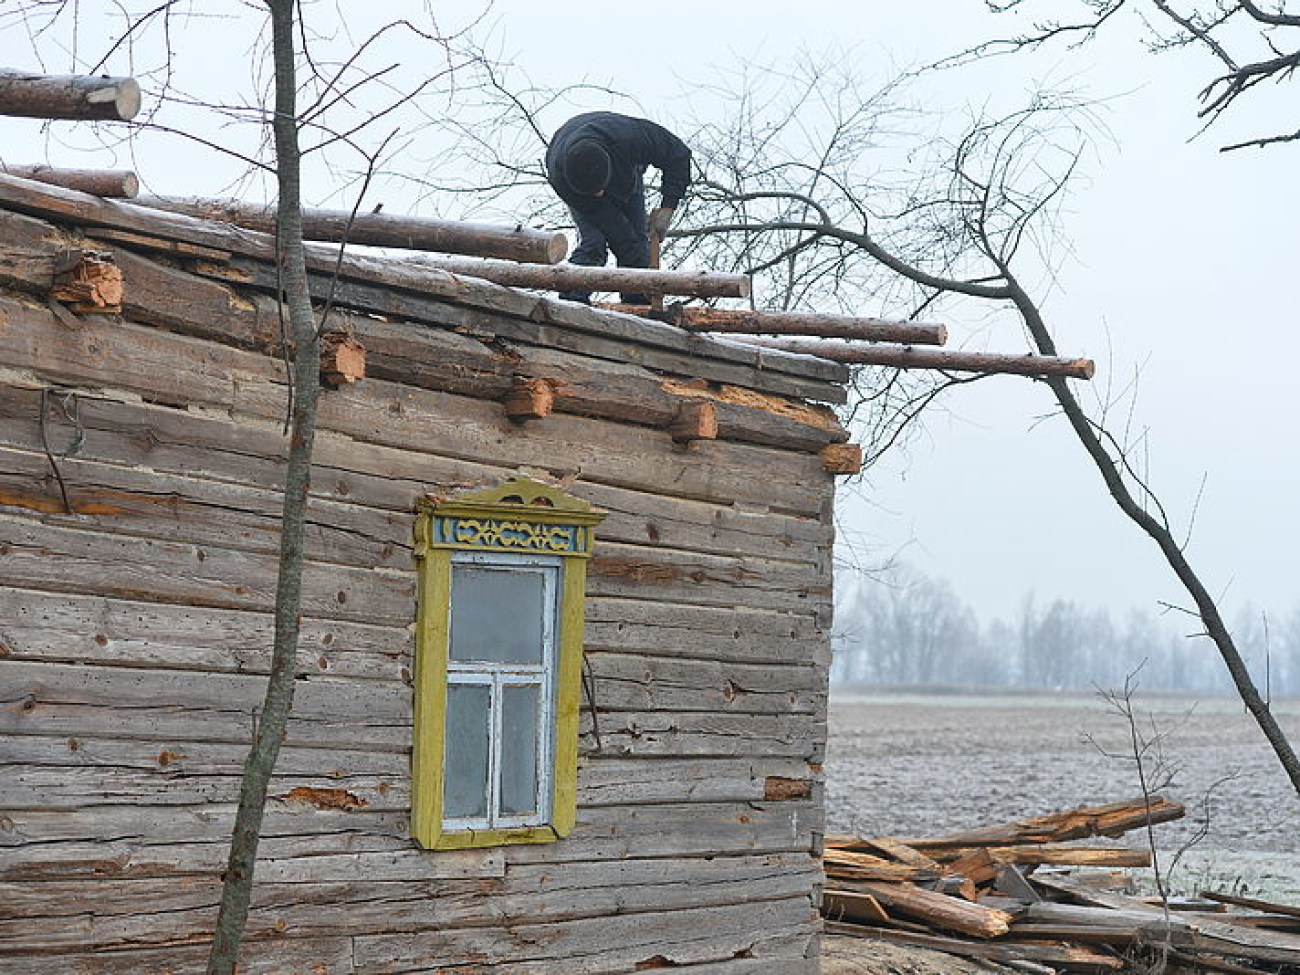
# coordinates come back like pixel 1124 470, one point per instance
pixel 596 164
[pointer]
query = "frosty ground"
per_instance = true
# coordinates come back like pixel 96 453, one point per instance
pixel 914 765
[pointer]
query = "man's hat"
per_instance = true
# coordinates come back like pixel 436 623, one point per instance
pixel 587 167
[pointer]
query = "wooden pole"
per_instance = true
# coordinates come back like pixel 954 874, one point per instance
pixel 382 229
pixel 906 357
pixel 574 277
pixel 78 97
pixel 98 182
pixel 749 322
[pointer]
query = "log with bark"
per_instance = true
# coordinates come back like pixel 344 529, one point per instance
pixel 99 182
pixel 907 357
pixel 77 97
pixel 517 243
pixel 576 277
pixel 744 321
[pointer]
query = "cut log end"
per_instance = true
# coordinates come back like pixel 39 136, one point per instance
pixel 343 360
pixel 530 399
pixel 90 283
pixel 558 249
pixel 697 419
pixel 75 97
pixel 126 99
pixel 841 458
pixel 97 182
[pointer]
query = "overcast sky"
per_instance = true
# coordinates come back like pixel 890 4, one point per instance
pixel 1182 269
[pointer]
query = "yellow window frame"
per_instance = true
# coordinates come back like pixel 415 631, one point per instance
pixel 519 516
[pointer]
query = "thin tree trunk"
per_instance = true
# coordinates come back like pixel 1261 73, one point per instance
pixel 237 891
pixel 1206 607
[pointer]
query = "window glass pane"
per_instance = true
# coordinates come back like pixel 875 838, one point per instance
pixel 464 793
pixel 496 615
pixel 520 738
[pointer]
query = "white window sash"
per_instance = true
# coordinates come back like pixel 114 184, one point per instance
pixel 498 676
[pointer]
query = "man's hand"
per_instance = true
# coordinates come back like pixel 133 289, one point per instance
pixel 660 218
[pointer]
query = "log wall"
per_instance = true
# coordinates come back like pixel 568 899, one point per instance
pixel 141 458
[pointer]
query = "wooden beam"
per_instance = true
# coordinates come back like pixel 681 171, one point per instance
pixel 98 182
pixel 939 910
pixel 575 277
pixel 907 357
pixel 1112 819
pixel 381 229
pixel 1255 904
pixel 77 97
pixel 746 321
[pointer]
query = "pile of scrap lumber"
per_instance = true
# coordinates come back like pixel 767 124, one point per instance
pixel 1015 894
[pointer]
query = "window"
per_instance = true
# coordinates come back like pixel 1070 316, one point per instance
pixel 498 665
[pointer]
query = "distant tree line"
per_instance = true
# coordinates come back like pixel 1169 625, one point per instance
pixel 902 627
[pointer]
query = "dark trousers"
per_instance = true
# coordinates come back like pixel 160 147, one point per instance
pixel 593 248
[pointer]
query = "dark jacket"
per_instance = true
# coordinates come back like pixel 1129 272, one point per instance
pixel 632 144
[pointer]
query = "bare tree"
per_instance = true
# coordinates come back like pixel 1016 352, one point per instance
pixel 990 206
pixel 1250 43
pixel 238 886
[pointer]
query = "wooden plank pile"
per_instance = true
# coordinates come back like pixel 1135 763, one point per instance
pixel 1014 894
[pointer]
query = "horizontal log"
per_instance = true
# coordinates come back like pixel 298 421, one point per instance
pixel 381 229
pixel 694 734
pixel 633 782
pixel 85 629
pixel 763 322
pixel 907 357
pixel 260 952
pixel 98 182
pixel 940 910
pixel 640 681
pixel 78 97
pixel 620 943
pixel 716 632
pixel 575 277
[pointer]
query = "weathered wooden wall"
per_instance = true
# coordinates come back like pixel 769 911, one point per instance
pixel 135 625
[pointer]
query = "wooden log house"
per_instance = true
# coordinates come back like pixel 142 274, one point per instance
pixel 651 507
